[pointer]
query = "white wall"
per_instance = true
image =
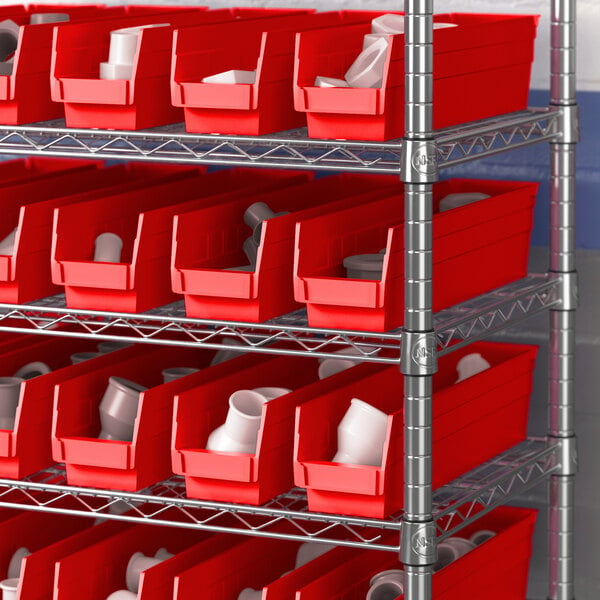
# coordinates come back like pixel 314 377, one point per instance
pixel 588 13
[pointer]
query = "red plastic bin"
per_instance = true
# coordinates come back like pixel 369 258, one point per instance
pixel 34 531
pixel 473 421
pixel 252 563
pixel 25 93
pixel 201 261
pixel 237 477
pixel 114 464
pixel 496 569
pixel 486 59
pixel 266 47
pixel 37 569
pixel 143 218
pixel 98 570
pixel 27 448
pixel 476 248
pixel 25 275
pixel 145 99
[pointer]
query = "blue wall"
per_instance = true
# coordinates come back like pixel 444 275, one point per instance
pixel 532 164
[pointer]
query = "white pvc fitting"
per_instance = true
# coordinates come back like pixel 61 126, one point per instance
pixel 232 77
pixel 163 554
pixel 33 369
pixel 16 562
pixel 481 536
pixel 364 266
pixel 361 435
pixel 329 82
pixel 10 390
pixel 309 551
pixel 331 366
pixel 371 38
pixel 108 247
pixel 250 594
pixel 111 346
pixel 388 23
pixel 9 40
pixel 367 70
pixel 460 199
pixel 43 18
pixel 446 553
pixel 239 433
pixel 9 588
pixel 80 357
pixel 122 595
pixel 394 24
pixel 387 585
pixel 270 393
pixel 174 373
pixel 7 245
pixel 251 250
pixel 119 408
pixel 138 563
pixel 254 216
pixel 470 365
pixel 461 545
pixel 227 353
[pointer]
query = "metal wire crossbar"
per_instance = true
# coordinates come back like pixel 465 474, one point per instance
pixel 290 149
pixel 289 334
pixel 287 516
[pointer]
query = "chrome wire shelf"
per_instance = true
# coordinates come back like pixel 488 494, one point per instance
pixel 291 149
pixel 168 325
pixel 287 516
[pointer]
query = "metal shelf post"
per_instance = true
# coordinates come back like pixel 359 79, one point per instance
pixel 419 351
pixel 561 427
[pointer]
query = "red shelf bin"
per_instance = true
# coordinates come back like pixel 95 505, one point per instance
pixel 486 58
pixel 78 50
pixel 34 531
pixel 25 94
pixel 251 563
pixel 113 464
pixel 27 448
pixel 201 261
pixel 237 477
pixel 98 570
pixel 37 570
pixel 30 204
pixel 473 421
pixel 476 248
pixel 496 569
pixel 143 218
pixel 266 46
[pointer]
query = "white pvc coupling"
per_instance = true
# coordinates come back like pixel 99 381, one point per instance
pixel 309 551
pixel 239 433
pixel 119 408
pixel 386 585
pixel 9 40
pixel 16 562
pixel 471 365
pixel 108 247
pixel 329 82
pixel 232 77
pixel 483 535
pixel 174 373
pixel 367 70
pixel 10 391
pixel 9 588
pixel 7 245
pixel 361 435
pixel 138 563
pixel 460 199
pixel 250 594
pixel 43 18
pixel 121 53
pixel 33 369
pixel 122 595
pixel 80 357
